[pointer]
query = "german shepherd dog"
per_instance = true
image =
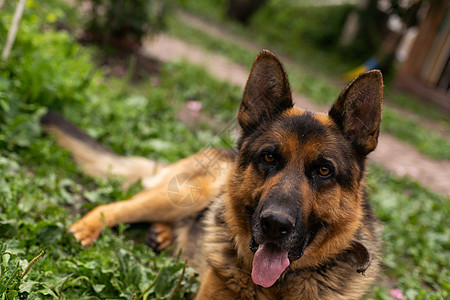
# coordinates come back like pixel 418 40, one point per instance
pixel 283 217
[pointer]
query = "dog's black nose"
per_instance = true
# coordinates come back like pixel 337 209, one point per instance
pixel 276 224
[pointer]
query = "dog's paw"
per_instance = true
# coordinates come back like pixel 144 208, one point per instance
pixel 87 229
pixel 159 236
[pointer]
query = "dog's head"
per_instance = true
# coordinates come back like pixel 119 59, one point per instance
pixel 296 188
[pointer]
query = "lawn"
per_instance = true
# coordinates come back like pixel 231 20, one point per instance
pixel 42 192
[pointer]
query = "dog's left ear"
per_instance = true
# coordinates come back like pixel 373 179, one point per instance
pixel 358 111
pixel 266 94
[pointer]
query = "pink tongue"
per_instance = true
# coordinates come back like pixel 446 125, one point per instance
pixel 268 264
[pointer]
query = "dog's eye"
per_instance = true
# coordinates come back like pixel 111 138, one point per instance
pixel 269 158
pixel 324 172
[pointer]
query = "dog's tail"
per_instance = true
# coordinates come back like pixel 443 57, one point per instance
pixel 95 159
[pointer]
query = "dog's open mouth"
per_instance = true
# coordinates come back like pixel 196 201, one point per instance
pixel 270 262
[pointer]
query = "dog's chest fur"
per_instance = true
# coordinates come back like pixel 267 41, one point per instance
pixel 206 240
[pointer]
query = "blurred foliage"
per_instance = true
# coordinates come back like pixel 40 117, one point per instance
pixel 301 27
pixel 297 28
pixel 242 10
pixel 45 69
pixel 324 92
pixel 311 30
pixel 125 20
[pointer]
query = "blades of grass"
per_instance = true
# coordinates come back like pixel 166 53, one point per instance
pixel 178 284
pixel 143 295
pixel 13 275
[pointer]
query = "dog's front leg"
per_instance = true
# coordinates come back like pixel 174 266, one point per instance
pixel 136 209
pixel 147 206
pixel 179 190
pixel 152 205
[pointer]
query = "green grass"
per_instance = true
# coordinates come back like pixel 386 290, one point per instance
pixel 323 92
pixel 42 191
pixel 412 132
pixel 416 235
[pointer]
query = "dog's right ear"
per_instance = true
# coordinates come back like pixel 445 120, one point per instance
pixel 266 94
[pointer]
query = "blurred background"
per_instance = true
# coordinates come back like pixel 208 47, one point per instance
pixel 163 79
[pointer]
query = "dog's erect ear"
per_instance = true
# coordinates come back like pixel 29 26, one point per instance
pixel 358 111
pixel 267 92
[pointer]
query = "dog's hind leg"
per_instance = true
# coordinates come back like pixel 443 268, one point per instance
pixel 177 191
pixel 159 236
pixel 172 192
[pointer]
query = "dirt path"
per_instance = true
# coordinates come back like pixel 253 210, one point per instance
pixel 392 154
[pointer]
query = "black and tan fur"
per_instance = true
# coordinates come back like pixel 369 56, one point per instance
pixel 294 187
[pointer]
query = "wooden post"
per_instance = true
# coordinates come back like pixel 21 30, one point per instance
pixel 2 3
pixel 13 29
pixel 427 31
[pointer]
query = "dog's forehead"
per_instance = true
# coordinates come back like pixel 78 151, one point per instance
pixel 299 131
pixel 302 131
pixel 306 124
